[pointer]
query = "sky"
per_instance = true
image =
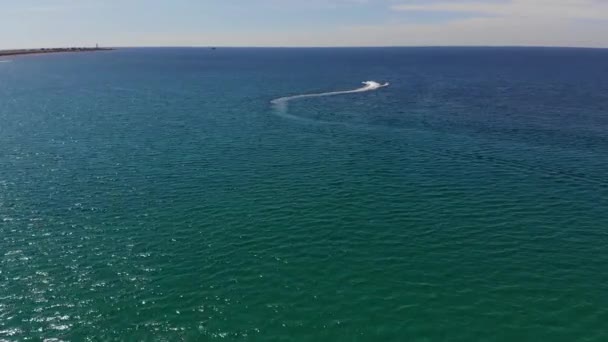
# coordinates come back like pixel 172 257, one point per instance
pixel 58 23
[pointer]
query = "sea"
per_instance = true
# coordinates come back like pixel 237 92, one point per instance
pixel 262 194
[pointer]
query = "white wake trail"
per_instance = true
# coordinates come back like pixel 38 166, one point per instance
pixel 369 86
pixel 5 61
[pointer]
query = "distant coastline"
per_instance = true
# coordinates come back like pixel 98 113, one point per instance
pixel 52 50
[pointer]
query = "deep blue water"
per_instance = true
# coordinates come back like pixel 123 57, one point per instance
pixel 157 194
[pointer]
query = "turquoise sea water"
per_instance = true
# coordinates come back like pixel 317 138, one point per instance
pixel 157 194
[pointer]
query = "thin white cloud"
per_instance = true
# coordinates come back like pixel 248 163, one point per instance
pixel 486 32
pixel 580 23
pixel 465 32
pixel 312 4
pixel 557 9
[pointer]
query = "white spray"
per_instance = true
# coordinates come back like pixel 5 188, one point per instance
pixel 369 86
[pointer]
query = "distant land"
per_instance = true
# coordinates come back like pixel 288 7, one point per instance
pixel 52 50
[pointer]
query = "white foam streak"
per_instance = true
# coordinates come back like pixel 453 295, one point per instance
pixel 5 61
pixel 369 86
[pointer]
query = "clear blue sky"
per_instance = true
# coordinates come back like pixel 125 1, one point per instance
pixel 50 23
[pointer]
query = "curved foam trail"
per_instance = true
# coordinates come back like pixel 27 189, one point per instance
pixel 369 86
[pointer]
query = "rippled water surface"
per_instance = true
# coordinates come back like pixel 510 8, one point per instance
pixel 158 194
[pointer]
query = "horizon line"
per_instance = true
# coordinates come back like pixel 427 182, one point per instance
pixel 315 47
